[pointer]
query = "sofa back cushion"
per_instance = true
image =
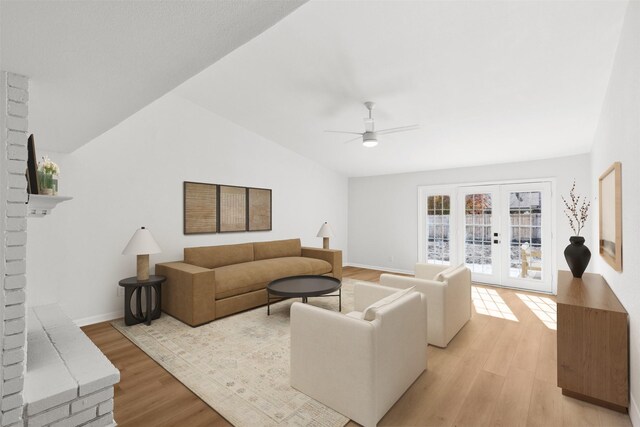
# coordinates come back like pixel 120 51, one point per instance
pixel 277 249
pixel 219 256
pixel 369 313
pixel 440 277
pixel 446 276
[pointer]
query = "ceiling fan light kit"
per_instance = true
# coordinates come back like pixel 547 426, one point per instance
pixel 370 135
pixel 370 139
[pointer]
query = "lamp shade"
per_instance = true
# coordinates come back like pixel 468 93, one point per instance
pixel 141 243
pixel 325 231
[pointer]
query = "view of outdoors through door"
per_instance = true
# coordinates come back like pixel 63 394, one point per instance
pixel 525 234
pixel 477 235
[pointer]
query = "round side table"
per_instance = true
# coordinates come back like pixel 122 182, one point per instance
pixel 132 285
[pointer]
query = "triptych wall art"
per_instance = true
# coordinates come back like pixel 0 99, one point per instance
pixel 215 208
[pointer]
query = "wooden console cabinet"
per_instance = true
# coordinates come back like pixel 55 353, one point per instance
pixel 593 342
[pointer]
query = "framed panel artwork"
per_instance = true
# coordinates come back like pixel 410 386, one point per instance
pixel 259 206
pixel 32 167
pixel 232 208
pixel 200 208
pixel 610 198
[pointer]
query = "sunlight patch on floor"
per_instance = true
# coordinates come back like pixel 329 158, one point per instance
pixel 488 302
pixel 544 308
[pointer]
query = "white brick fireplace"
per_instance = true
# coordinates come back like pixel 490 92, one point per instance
pixel 61 379
pixel 13 229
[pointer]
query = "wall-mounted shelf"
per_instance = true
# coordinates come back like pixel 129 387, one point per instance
pixel 40 205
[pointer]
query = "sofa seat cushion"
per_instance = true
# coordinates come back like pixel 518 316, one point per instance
pixel 250 276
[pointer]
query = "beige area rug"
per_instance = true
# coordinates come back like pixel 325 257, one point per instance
pixel 239 365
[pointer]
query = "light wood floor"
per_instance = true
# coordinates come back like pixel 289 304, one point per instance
pixel 495 372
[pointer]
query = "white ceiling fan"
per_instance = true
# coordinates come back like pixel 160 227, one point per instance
pixel 370 135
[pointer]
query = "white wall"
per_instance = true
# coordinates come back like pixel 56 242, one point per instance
pixel 618 139
pixel 132 176
pixel 383 210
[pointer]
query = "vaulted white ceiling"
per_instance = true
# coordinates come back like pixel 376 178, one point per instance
pixel 92 64
pixel 488 81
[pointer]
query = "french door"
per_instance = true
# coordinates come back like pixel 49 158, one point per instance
pixel 479 223
pixel 501 232
pixel 506 234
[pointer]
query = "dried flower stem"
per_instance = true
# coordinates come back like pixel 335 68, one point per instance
pixel 576 212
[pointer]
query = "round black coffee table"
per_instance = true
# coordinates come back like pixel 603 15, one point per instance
pixel 303 287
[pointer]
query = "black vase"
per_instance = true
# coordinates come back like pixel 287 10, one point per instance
pixel 577 255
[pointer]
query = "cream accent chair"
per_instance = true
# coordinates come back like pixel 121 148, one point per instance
pixel 448 292
pixel 359 367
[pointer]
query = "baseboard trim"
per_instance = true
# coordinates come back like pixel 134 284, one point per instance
pixel 634 413
pixel 86 321
pixel 375 267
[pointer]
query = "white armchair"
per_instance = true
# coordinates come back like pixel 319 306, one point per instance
pixel 448 292
pixel 359 367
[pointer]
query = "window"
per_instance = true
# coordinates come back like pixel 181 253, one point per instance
pixel 478 252
pixel 438 216
pixel 525 229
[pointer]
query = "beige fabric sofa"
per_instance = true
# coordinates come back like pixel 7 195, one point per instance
pixel 359 367
pixel 448 292
pixel 216 281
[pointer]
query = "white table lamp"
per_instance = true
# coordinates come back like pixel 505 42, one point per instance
pixel 325 232
pixel 142 244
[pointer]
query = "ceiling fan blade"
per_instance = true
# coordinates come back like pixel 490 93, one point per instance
pixel 343 131
pixel 398 129
pixel 354 139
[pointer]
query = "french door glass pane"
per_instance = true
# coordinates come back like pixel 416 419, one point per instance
pixel 438 215
pixel 525 234
pixel 477 239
